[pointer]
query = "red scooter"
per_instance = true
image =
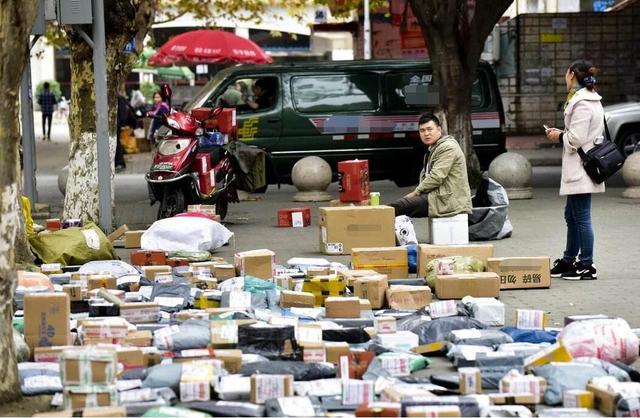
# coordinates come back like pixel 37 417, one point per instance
pixel 190 166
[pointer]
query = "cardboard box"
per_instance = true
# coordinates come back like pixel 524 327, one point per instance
pixel 314 353
pixel 78 397
pixel 603 400
pixel 150 272
pixel 521 272
pixel 576 398
pixel 453 230
pixel 138 338
pixel 148 258
pixel 512 398
pixel 195 382
pixel 223 333
pixel 342 307
pixel 470 380
pixel 256 263
pixel 378 409
pixel 335 350
pixel 357 392
pixel 556 353
pixel 107 411
pixel 514 382
pixel 399 392
pixel 97 281
pixel 314 271
pixel 265 387
pixel 224 271
pixel 433 411
pixel 294 217
pixel 290 299
pixel 353 180
pixel 458 286
pixel 365 305
pixel 46 319
pixel 309 333
pixel 531 319
pixel 344 228
pixel 408 297
pixel 231 359
pixel 209 266
pixel 391 261
pixel 88 366
pixel 118 233
pixel 74 291
pixel 105 329
pixel 373 288
pixel 385 325
pixel 132 238
pixel 50 354
pixel 336 202
pixel 429 252
pixel 350 276
pixel 140 312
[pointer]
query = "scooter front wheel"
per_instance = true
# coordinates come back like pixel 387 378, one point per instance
pixel 172 203
pixel 221 208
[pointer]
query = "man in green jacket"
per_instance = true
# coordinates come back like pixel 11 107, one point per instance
pixel 443 190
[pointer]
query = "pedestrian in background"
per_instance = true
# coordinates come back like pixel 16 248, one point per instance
pixel 46 100
pixel 584 126
pixel 126 117
pixel 160 107
pixel 63 108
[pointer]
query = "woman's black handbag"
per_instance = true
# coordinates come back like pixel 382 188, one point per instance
pixel 603 160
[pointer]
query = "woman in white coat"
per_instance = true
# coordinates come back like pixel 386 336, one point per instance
pixel 584 125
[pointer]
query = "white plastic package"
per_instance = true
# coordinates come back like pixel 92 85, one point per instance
pixel 184 233
pixel 607 339
pixel 489 311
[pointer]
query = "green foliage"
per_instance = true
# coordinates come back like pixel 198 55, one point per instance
pixel 54 88
pixel 148 89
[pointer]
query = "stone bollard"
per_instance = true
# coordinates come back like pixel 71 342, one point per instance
pixel 311 176
pixel 631 176
pixel 62 179
pixel 513 171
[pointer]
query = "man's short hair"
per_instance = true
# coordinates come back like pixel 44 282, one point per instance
pixel 46 85
pixel 428 117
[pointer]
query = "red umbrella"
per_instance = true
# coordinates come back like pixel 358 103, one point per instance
pixel 208 47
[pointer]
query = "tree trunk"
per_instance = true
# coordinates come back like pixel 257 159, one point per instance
pixel 455 34
pixel 123 21
pixel 16 20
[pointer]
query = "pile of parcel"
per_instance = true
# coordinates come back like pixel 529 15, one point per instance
pixel 165 336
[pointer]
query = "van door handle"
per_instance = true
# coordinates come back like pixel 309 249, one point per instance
pixel 273 120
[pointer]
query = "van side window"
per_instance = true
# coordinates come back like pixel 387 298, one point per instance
pixel 410 91
pixel 250 94
pixel 335 93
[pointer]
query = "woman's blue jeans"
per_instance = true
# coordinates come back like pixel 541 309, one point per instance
pixel 577 214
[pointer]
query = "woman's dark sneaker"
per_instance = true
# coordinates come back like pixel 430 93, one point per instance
pixel 581 271
pixel 561 266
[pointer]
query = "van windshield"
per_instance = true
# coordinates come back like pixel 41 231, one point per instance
pixel 203 98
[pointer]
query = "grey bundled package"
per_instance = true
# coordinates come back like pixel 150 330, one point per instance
pixel 493 368
pixel 193 333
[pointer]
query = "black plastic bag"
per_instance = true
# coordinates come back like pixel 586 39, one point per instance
pixel 349 335
pixel 301 371
pixel 437 329
pixel 273 342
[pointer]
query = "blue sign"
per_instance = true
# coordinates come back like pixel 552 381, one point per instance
pixel 130 47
